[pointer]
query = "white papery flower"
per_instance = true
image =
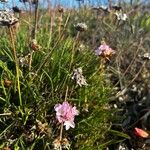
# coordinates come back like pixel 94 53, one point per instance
pixel 78 76
pixel 7 18
pixel 121 16
pixel 81 27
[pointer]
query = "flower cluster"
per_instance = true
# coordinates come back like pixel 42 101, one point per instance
pixel 104 50
pixel 78 76
pixel 121 16
pixel 146 56
pixel 24 61
pixel 7 18
pixel 60 9
pixel 57 144
pixel 65 114
pixel 43 128
pixel 34 45
pixel 80 27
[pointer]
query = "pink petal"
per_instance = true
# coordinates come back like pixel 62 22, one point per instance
pixel 69 124
pixel 57 107
pixel 75 111
pixel 141 133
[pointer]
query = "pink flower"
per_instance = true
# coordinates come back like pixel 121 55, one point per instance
pixel 141 133
pixel 65 113
pixel 104 50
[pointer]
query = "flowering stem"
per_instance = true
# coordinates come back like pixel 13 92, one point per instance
pixel 16 62
pixel 60 137
pixel 102 63
pixel 60 23
pixel 30 63
pixel 66 94
pixel 36 19
pixel 100 69
pixel 73 49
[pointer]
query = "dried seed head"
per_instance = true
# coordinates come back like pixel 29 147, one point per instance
pixel 57 144
pixel 7 18
pixel 146 56
pixel 43 128
pixel 60 9
pixel 78 76
pixel 24 61
pixel 34 45
pixel 7 83
pixel 65 143
pixel 29 137
pixel 80 27
pixel 121 16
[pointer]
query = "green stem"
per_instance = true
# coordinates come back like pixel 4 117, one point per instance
pixel 73 50
pixel 60 136
pixel 30 64
pixel 36 19
pixel 16 62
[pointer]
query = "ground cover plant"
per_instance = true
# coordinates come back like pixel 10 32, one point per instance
pixel 74 78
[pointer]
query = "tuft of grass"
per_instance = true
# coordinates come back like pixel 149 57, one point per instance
pixel 27 117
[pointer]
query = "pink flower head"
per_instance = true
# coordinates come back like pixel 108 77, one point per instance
pixel 141 133
pixel 65 113
pixel 104 50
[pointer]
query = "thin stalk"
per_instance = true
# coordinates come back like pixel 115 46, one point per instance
pixel 36 19
pixel 110 3
pixel 52 14
pixel 30 63
pixel 34 31
pixel 16 62
pixel 66 94
pixel 60 23
pixel 60 136
pixel 73 50
pixel 100 69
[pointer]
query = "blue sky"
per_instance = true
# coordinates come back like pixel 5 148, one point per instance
pixel 68 3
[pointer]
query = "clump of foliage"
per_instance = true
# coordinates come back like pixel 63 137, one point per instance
pixel 36 74
pixel 50 59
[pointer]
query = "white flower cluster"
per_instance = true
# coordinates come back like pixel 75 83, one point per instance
pixel 78 76
pixel 81 26
pixel 146 56
pixel 121 16
pixel 24 61
pixel 64 144
pixel 7 18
